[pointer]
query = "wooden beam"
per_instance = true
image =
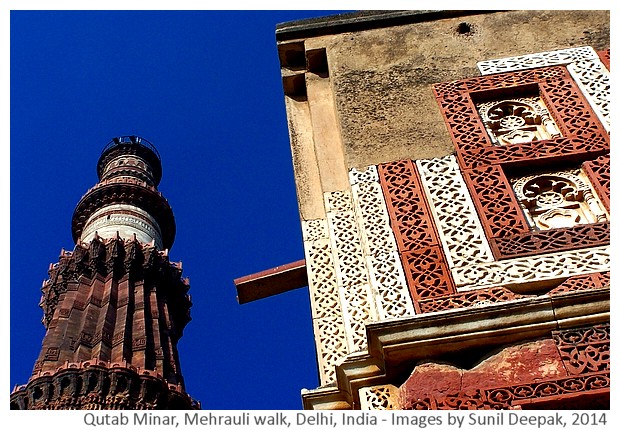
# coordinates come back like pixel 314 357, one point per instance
pixel 271 282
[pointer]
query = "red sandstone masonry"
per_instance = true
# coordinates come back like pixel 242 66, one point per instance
pixel 484 165
pixel 425 266
pixel 605 58
pixel 569 365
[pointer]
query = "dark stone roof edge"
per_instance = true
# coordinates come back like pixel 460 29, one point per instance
pixel 362 20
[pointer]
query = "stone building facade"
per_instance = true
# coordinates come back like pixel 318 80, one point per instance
pixel 452 171
pixel 115 307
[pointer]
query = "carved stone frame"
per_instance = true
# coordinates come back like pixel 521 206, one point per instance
pixel 486 167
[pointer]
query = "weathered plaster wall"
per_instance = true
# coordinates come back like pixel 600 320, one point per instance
pixel 381 78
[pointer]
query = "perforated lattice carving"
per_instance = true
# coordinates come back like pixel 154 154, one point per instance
pixel 593 79
pixel 392 298
pixel 598 172
pixel 540 59
pixel 423 261
pixel 427 273
pixel 314 229
pixel 555 240
pixel 582 282
pixel 338 201
pixel 329 328
pixel 369 174
pixel 533 269
pixel 583 63
pixel 500 210
pixel 379 397
pixel 351 272
pixel 321 276
pixel 410 217
pixel 331 345
pixel 377 235
pixel 467 299
pixel 584 350
pixel 594 143
pixel 454 213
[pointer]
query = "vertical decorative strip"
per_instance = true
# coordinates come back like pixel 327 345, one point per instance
pixel 329 330
pixel 391 296
pixel 493 195
pixel 425 267
pixel 593 80
pixel 351 274
pixel 598 171
pixel 605 58
pixel 458 226
pixel 410 217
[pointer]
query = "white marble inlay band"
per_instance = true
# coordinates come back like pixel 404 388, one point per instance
pixel 536 269
pixel 459 228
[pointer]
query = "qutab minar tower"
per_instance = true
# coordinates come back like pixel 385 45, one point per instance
pixel 115 307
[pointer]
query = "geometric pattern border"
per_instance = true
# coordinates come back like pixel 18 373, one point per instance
pixel 536 269
pixel 583 63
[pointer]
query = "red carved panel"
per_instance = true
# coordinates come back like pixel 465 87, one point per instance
pixel 584 350
pixel 565 102
pixel 555 240
pixel 575 148
pixel 582 282
pixel 470 298
pixel 425 267
pixel 484 164
pixel 427 273
pixel 570 109
pixel 508 397
pixel 462 118
pixel 598 171
pixel 497 206
pixel 605 57
pixel 409 213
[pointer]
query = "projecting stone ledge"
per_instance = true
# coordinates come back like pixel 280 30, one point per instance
pixel 271 282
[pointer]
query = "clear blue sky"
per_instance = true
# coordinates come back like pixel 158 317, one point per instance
pixel 204 87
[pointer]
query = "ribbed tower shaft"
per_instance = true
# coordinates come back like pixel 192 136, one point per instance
pixel 115 307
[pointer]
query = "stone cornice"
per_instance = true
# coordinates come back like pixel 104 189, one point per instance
pixel 361 20
pixel 400 344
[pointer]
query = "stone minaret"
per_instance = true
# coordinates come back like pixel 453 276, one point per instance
pixel 115 307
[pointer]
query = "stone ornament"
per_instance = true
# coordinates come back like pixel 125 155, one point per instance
pixel 392 297
pixel 329 330
pixel 558 199
pixel 533 270
pixel 518 120
pixel 583 63
pixel 454 214
pixel 379 397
